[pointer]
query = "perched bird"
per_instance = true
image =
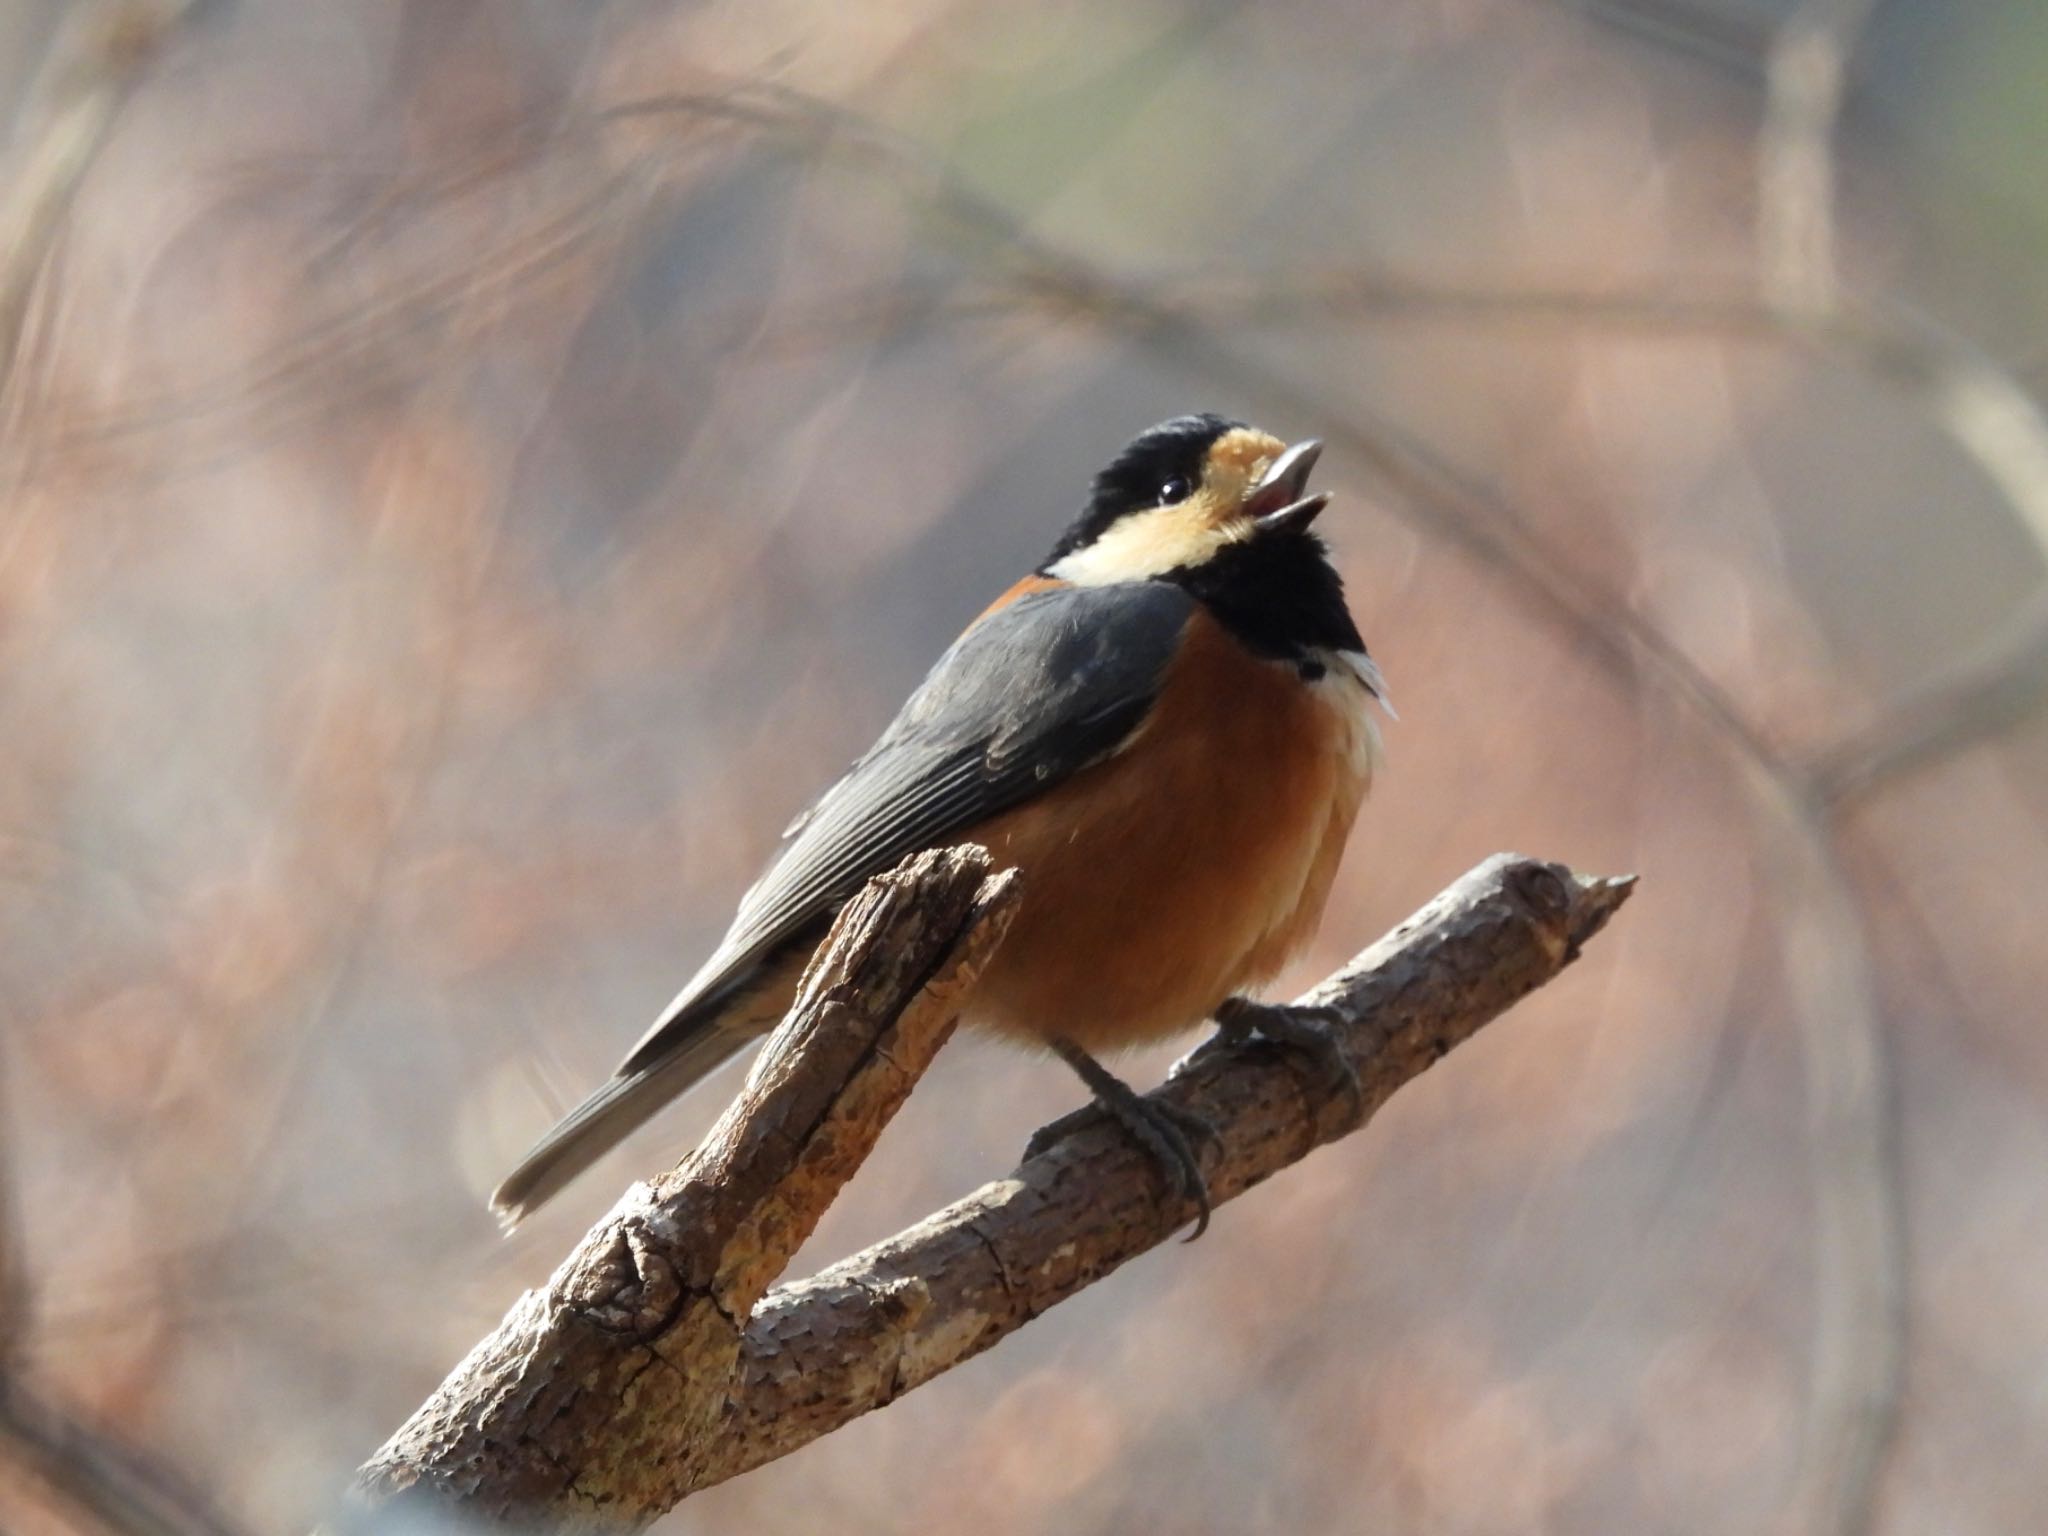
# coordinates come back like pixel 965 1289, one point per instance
pixel 1166 727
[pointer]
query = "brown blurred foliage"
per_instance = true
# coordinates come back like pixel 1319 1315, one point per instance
pixel 473 469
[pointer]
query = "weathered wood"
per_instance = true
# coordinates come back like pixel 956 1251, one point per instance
pixel 596 1401
pixel 657 1361
pixel 860 1334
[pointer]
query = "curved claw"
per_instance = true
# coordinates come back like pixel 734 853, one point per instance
pixel 1053 1132
pixel 1307 1030
pixel 1168 1132
pixel 1171 1135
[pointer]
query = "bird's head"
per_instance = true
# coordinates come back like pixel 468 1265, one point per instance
pixel 1180 494
pixel 1222 509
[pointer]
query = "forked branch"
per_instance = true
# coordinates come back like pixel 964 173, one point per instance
pixel 657 1361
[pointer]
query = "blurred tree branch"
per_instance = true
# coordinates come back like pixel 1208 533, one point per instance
pixel 1719 36
pixel 1976 402
pixel 123 1491
pixel 657 1361
pixel 1859 1285
pixel 1971 396
pixel 95 66
pixel 1965 392
pixel 78 96
pixel 14 1287
pixel 1806 74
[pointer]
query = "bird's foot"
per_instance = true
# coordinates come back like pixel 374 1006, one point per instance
pixel 1311 1031
pixel 1169 1133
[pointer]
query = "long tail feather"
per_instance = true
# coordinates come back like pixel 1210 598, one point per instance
pixel 608 1117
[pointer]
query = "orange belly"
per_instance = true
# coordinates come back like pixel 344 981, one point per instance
pixel 1188 867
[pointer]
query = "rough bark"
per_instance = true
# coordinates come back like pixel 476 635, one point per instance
pixel 657 1361
pixel 596 1401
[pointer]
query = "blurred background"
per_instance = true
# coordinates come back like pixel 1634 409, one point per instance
pixel 471 469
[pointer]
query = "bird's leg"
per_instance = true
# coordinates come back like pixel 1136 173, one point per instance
pixel 1169 1133
pixel 1307 1030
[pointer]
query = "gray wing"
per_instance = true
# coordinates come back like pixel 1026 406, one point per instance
pixel 1055 681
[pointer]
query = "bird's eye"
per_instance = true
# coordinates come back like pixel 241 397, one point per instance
pixel 1176 489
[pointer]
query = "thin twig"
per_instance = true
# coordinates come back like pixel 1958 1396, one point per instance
pixel 1979 404
pixel 91 74
pixel 1717 35
pixel 1859 1259
pixel 1976 401
pixel 15 1292
pixel 1805 74
pixel 369 348
pixel 1854 1378
pixel 1996 686
pixel 125 1492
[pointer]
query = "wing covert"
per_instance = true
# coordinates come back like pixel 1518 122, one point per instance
pixel 1030 694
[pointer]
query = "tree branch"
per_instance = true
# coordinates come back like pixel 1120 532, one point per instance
pixel 595 1400
pixel 121 1489
pixel 91 73
pixel 656 1362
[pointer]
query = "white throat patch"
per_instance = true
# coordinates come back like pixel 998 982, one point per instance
pixel 1148 544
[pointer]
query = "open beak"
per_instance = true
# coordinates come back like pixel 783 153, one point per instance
pixel 1277 504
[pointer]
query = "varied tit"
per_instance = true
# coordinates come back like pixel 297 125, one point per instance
pixel 1166 728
